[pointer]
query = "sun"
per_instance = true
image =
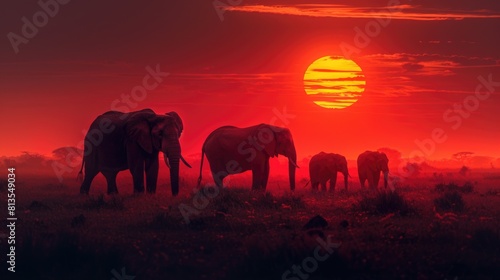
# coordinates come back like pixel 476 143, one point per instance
pixel 334 82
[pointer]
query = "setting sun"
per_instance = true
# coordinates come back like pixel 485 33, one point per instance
pixel 334 82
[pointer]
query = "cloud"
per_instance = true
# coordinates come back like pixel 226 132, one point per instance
pixel 397 12
pixel 410 67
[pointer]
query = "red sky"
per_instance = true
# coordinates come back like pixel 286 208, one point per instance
pixel 243 69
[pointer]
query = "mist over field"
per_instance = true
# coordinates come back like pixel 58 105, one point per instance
pixel 437 224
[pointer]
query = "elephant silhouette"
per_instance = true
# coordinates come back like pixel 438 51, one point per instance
pixel 119 141
pixel 370 164
pixel 323 167
pixel 232 150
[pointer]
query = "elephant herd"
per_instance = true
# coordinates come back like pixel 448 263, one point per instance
pixel 119 141
pixel 324 167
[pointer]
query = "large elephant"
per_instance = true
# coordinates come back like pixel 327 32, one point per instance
pixel 323 167
pixel 370 164
pixel 118 141
pixel 232 150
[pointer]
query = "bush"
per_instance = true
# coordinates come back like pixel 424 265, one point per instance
pixel 467 187
pixel 228 199
pixel 385 202
pixel 450 201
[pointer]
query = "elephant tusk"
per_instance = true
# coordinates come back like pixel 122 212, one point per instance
pixel 293 163
pixel 185 162
pixel 307 184
pixel 167 163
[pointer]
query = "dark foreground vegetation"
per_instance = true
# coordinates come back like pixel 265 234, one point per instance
pixel 421 231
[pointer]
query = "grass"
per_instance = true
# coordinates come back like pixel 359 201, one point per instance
pixel 64 255
pixel 104 202
pixel 243 234
pixel 450 201
pixel 486 239
pixel 385 203
pixel 3 185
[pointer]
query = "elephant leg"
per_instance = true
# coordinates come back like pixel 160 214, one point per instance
pixel 219 178
pixel 315 186
pixel 152 167
pixel 87 181
pixel 376 179
pixel 137 171
pixel 111 180
pixel 323 186
pixel 333 182
pixel 257 177
pixel 265 176
pixel 371 180
pixel 362 180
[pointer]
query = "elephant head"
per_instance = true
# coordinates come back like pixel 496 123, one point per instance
pixel 323 167
pixel 154 133
pixel 382 163
pixel 338 163
pixel 281 143
pixel 177 120
pixel 375 162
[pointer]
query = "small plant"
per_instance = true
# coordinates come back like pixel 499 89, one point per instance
pixel 227 199
pixel 268 200
pixel 468 187
pixel 384 203
pixel 101 203
pixel 450 201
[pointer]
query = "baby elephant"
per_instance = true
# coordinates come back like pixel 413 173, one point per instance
pixel 324 167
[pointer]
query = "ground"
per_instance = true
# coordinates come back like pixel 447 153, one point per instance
pixel 240 234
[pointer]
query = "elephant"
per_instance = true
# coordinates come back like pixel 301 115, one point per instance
pixel 232 150
pixel 370 164
pixel 118 141
pixel 323 167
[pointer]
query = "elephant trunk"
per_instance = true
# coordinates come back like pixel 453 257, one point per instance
pixel 292 164
pixel 172 155
pixel 386 177
pixel 346 175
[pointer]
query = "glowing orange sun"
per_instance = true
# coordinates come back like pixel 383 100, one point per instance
pixel 334 82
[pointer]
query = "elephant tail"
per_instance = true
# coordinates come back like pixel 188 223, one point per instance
pixel 79 177
pixel 201 167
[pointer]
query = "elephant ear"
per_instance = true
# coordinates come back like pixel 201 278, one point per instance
pixel 331 163
pixel 267 138
pixel 140 132
pixel 177 120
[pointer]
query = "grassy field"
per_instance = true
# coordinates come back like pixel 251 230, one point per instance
pixel 422 231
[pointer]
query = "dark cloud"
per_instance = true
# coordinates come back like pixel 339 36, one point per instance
pixel 411 67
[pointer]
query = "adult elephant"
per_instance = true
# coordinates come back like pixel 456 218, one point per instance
pixel 118 141
pixel 323 167
pixel 370 164
pixel 232 150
